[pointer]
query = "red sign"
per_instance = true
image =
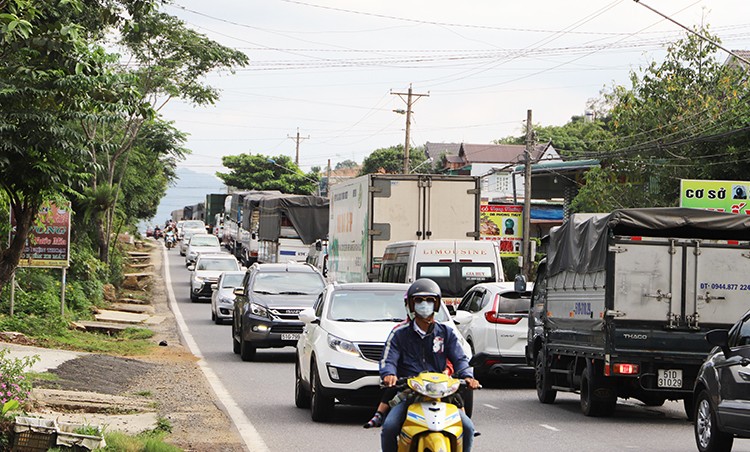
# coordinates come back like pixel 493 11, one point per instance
pixel 48 242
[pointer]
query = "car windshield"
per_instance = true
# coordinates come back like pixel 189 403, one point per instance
pixel 234 280
pixel 206 240
pixel 217 264
pixel 372 306
pixel 290 283
pixel 456 278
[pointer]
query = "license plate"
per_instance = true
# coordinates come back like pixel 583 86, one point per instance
pixel 289 336
pixel 670 378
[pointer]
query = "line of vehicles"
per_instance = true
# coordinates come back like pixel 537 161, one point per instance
pixel 648 304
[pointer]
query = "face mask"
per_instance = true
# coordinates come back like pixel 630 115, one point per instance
pixel 424 309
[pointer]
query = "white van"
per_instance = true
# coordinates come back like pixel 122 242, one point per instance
pixel 456 265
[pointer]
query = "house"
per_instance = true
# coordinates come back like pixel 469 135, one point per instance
pixel 335 176
pixel 494 163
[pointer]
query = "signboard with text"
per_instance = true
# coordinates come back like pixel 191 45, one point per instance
pixel 48 243
pixel 718 195
pixel 503 224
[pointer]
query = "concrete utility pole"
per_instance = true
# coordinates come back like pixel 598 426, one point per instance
pixel 298 139
pixel 527 198
pixel 409 102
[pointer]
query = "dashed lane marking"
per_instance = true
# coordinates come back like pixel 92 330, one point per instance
pixel 490 406
pixel 549 427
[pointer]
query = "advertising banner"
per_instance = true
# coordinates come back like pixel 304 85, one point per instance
pixel 48 243
pixel 718 195
pixel 503 224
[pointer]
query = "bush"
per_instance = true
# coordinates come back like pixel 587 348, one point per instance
pixel 13 382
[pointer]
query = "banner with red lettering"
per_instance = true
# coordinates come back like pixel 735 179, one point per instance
pixel 503 224
pixel 48 243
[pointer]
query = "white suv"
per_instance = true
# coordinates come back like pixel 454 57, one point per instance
pixel 340 347
pixel 206 271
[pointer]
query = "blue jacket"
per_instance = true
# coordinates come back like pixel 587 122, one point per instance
pixel 407 354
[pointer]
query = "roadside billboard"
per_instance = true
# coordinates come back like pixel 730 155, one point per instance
pixel 718 195
pixel 48 243
pixel 503 224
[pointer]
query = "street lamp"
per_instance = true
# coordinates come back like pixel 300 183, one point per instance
pixel 429 160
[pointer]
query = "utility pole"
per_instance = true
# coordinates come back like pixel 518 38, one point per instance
pixel 298 139
pixel 328 180
pixel 526 269
pixel 409 102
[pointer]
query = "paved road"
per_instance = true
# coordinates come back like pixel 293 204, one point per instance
pixel 506 413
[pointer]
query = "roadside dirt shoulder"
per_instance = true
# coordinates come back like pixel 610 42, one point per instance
pixel 168 381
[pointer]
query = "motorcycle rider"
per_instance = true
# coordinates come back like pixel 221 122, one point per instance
pixel 417 346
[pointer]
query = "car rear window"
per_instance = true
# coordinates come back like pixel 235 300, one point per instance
pixel 210 240
pixel 217 264
pixel 193 224
pixel 514 303
pixel 291 283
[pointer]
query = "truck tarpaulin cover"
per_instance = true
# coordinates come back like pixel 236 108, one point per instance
pixel 251 201
pixel 580 246
pixel 308 214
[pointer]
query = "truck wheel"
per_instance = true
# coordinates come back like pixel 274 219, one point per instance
pixel 597 400
pixel 321 405
pixel 544 390
pixel 708 438
pixel 301 395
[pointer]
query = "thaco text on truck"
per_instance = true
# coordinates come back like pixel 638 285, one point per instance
pixel 369 212
pixel 288 225
pixel 623 301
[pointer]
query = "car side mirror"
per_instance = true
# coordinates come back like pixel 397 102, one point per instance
pixel 451 309
pixel 214 286
pixel 318 246
pixel 308 316
pixel 720 338
pixel 254 236
pixel 239 291
pixel 519 284
pixel 191 268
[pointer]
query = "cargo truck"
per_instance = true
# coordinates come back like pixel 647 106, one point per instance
pixel 623 301
pixel 214 209
pixel 369 212
pixel 288 225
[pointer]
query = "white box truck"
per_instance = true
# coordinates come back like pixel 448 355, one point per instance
pixel 369 212
pixel 288 225
pixel 622 303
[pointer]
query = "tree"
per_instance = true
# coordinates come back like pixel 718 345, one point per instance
pixel 261 172
pixel 172 62
pixel 683 118
pixel 48 66
pixel 391 160
pixel 346 164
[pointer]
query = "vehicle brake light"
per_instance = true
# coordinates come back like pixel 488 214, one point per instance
pixel 636 238
pixel 465 260
pixel 445 260
pixel 505 319
pixel 625 369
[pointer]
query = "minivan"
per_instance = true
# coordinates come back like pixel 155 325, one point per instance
pixel 456 265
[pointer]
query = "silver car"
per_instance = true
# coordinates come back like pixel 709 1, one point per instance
pixel 222 298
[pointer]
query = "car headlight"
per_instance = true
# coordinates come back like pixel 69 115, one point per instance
pixel 342 346
pixel 226 300
pixel 259 310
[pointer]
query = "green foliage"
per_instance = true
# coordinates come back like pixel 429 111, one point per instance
pixel 510 267
pixel 683 118
pixel 346 164
pixel 391 161
pixel 261 172
pixel 14 386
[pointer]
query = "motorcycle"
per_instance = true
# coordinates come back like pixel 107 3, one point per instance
pixel 432 422
pixel 170 240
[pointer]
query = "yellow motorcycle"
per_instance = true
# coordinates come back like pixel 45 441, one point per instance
pixel 432 423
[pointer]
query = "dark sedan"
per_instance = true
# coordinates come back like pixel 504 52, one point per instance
pixel 722 389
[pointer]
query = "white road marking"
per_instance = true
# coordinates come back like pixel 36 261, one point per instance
pixel 247 431
pixel 549 427
pixel 490 406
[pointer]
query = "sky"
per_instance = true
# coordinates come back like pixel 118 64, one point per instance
pixel 331 69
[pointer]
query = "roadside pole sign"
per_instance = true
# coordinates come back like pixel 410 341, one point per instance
pixel 718 195
pixel 47 245
pixel 48 242
pixel 502 223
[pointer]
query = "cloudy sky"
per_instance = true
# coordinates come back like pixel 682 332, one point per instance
pixel 330 68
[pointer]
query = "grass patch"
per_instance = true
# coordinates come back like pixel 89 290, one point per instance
pixel 144 393
pixel 150 441
pixel 42 376
pixel 132 342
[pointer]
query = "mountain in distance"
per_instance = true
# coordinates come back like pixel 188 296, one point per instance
pixel 190 188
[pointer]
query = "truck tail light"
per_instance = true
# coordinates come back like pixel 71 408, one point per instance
pixel 625 369
pixel 495 317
